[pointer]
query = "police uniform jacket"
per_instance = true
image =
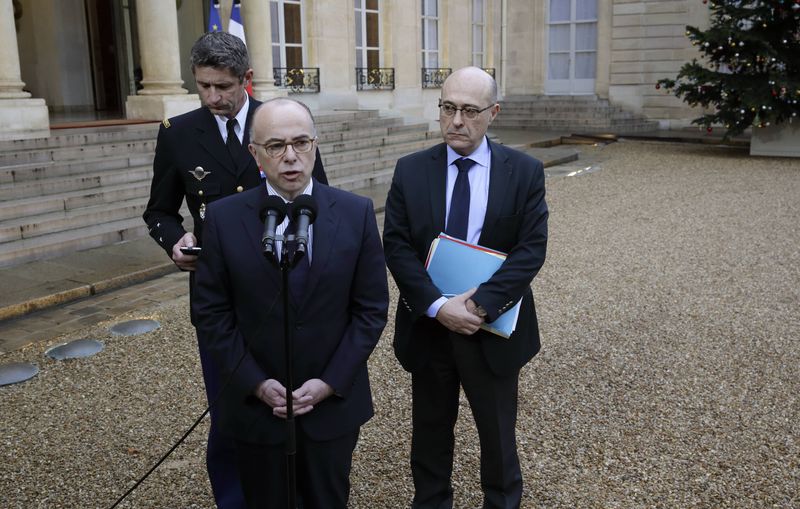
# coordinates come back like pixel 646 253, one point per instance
pixel 192 161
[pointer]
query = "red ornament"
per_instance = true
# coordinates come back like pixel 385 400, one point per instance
pixel 658 86
pixel 709 129
pixel 705 1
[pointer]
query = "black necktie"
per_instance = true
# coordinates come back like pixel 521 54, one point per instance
pixel 298 277
pixel 458 219
pixel 234 146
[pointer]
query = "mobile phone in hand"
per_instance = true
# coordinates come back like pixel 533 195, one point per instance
pixel 194 250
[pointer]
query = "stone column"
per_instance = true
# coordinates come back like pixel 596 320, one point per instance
pixel 20 116
pixel 523 65
pixel 162 95
pixel 258 31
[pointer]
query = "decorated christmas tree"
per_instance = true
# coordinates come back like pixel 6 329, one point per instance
pixel 750 71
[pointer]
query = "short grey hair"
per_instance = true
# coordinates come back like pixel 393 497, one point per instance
pixel 221 50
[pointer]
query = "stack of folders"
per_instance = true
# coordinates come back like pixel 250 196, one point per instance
pixel 456 266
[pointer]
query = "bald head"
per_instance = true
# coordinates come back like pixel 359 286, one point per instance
pixel 270 111
pixel 283 142
pixel 477 79
pixel 474 91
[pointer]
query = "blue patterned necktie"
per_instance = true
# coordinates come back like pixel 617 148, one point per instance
pixel 458 218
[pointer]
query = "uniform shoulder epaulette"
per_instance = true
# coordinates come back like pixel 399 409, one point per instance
pixel 166 123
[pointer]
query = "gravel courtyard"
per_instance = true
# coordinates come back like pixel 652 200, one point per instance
pixel 669 376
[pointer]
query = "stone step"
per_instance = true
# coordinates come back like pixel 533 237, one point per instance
pixel 369 132
pixel 60 185
pixel 363 167
pixel 34 226
pixel 332 116
pixel 54 244
pixel 375 178
pixel 13 209
pixel 574 113
pixel 574 127
pixel 78 152
pixel 374 142
pixel 51 169
pixel 84 136
pixel 142 138
pixel 397 149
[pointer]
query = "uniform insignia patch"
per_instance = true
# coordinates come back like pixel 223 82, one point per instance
pixel 199 173
pixel 166 123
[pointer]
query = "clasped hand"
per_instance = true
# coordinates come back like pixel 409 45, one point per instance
pixel 459 314
pixel 273 393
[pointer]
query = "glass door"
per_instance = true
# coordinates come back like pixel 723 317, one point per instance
pixel 572 47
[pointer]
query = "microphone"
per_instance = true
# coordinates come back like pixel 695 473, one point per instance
pixel 304 212
pixel 272 214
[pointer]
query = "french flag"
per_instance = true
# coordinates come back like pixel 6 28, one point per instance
pixel 235 27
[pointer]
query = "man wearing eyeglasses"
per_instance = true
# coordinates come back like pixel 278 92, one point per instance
pixel 339 300
pixel 202 156
pixel 486 194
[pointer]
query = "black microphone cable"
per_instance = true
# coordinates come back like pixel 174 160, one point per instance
pixel 199 419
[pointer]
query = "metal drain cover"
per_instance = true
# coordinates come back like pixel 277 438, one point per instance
pixel 134 327
pixel 17 372
pixel 75 349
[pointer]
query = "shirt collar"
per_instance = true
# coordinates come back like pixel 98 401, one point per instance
pixel 481 155
pixel 241 118
pixel 308 190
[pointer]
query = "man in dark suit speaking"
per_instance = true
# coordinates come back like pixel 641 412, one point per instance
pixel 339 300
pixel 202 156
pixel 489 195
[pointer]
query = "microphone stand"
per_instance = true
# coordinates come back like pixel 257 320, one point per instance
pixel 286 264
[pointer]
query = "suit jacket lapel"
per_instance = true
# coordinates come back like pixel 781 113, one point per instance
pixel 211 141
pixel 325 229
pixel 499 178
pixel 437 185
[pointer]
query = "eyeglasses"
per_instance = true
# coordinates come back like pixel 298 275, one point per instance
pixel 276 149
pixel 470 112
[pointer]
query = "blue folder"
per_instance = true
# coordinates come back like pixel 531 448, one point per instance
pixel 456 266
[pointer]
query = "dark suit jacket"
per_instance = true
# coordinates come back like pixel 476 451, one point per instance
pixel 239 313
pixel 515 223
pixel 193 140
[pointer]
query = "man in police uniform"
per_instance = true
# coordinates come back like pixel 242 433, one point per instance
pixel 202 155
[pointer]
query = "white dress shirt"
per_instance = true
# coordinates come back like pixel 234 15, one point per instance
pixel 241 120
pixel 478 197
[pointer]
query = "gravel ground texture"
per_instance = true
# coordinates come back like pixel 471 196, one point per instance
pixel 669 374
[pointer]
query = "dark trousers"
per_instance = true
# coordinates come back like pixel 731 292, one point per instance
pixel 322 472
pixel 220 453
pixel 457 361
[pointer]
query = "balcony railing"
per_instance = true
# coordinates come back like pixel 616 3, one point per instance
pixel 490 71
pixel 375 78
pixel 297 79
pixel 433 77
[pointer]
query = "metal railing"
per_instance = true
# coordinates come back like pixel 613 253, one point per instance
pixel 433 77
pixel 297 79
pixel 374 78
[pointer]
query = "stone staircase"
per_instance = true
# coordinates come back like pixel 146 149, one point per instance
pixel 575 114
pixel 88 187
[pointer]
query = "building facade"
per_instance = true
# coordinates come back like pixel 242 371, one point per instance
pixel 128 59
